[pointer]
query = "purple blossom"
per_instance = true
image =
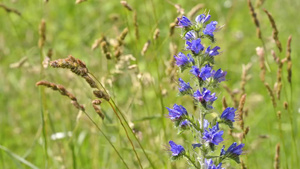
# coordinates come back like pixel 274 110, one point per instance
pixel 205 96
pixel 190 35
pixel 195 46
pixel 202 18
pixel 219 75
pixel 176 149
pixel 177 112
pixel 209 164
pixel 196 145
pixel 184 22
pixel 210 28
pixel 184 123
pixel 183 59
pixel 213 135
pixel 203 74
pixel 212 52
pixel 233 151
pixel 184 87
pixel 228 114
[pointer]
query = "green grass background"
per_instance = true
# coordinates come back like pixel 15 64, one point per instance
pixel 72 29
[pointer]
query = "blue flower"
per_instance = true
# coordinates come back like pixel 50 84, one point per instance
pixel 190 35
pixel 213 136
pixel 228 114
pixel 184 87
pixel 195 46
pixel 219 75
pixel 176 149
pixel 184 22
pixel 184 123
pixel 202 18
pixel 203 74
pixel 212 52
pixel 209 164
pixel 183 60
pixel 233 151
pixel 205 96
pixel 196 145
pixel 177 112
pixel 210 28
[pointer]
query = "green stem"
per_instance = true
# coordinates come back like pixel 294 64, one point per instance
pixel 192 161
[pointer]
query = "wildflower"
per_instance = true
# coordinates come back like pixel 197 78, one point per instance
pixel 183 60
pixel 233 151
pixel 205 123
pixel 202 18
pixel 184 87
pixel 219 75
pixel 190 35
pixel 177 112
pixel 212 52
pixel 176 149
pixel 205 96
pixel 195 46
pixel 210 28
pixel 203 74
pixel 184 123
pixel 209 164
pixel 184 22
pixel 213 136
pixel 228 114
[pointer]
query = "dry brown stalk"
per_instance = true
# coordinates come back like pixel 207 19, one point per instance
pixel 101 95
pixel 126 5
pixel 277 157
pixel 261 53
pixel 279 115
pixel 254 18
pixel 118 53
pixel 156 34
pixel 105 50
pixel 244 77
pixel 136 25
pixel 19 63
pixel 122 36
pixel 79 1
pixel 243 165
pixel 96 103
pixel 275 31
pixel 145 48
pixel 289 59
pixel 42 33
pixel 246 131
pixel 259 3
pixel 63 91
pixel 224 103
pixel 271 94
pixel 195 10
pixel 240 110
pixel 285 105
pixel 10 10
pixel 232 95
pixel 172 28
pixel 180 10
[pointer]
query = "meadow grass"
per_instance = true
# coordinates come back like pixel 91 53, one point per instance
pixel 30 115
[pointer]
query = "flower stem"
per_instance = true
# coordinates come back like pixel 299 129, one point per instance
pixel 193 162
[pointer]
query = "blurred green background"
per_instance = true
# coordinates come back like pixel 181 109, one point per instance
pixel 73 28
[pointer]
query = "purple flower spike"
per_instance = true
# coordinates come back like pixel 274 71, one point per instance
pixel 233 151
pixel 182 60
pixel 184 22
pixel 195 46
pixel 209 164
pixel 177 112
pixel 228 114
pixel 184 123
pixel 219 75
pixel 213 136
pixel 204 74
pixel 190 35
pixel 212 52
pixel 176 149
pixel 205 96
pixel 202 18
pixel 210 28
pixel 184 87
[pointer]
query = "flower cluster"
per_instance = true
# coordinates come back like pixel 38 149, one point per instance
pixel 199 59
